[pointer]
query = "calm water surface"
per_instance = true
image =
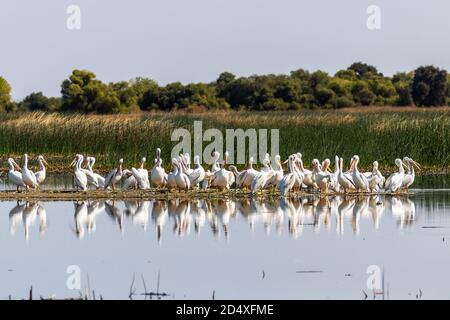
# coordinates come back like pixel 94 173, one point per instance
pixel 244 249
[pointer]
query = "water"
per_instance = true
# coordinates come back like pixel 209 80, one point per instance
pixel 236 250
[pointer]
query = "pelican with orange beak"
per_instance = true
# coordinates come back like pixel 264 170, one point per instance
pixel 410 174
pixel 321 174
pixel 80 177
pixel 41 174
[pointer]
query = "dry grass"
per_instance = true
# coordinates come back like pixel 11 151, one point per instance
pixel 375 133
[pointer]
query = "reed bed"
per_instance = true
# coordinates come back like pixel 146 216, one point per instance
pixel 381 134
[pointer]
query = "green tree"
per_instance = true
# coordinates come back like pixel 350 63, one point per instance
pixel 127 96
pixel 361 93
pixel 82 92
pixel 429 87
pixel 5 95
pixel 403 85
pixel 38 101
pixel 363 70
pixel 383 89
pixel 348 74
pixel 141 86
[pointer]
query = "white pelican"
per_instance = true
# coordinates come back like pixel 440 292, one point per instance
pixel 130 182
pixel 288 180
pixel 94 178
pixel 198 174
pixel 359 179
pixel 181 177
pixel 141 176
pixel 206 181
pixel 15 177
pixel 186 159
pixel 308 178
pixel 410 175
pixel 322 177
pixel 244 178
pixel 344 180
pixel 114 176
pixel 215 165
pixel 334 185
pixel 28 176
pixel 375 178
pixel 266 164
pixel 395 180
pixel 144 174
pixel 40 175
pixel 223 178
pixel 80 177
pixel 171 177
pixel 261 180
pixel 158 175
pixel 278 172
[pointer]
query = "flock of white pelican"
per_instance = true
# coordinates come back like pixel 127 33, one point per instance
pixel 222 176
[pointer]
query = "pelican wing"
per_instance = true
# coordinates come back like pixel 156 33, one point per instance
pixel 109 178
pixel 15 177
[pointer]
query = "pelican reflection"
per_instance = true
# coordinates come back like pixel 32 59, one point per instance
pixel 219 216
pixel 26 213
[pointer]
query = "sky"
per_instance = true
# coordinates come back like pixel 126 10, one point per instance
pixel 196 40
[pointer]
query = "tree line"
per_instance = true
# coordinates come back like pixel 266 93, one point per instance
pixel 358 85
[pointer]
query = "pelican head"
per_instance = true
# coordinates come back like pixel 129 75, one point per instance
pixel 316 164
pixel 354 161
pixel 292 159
pixel 278 159
pixel 13 164
pixel 375 165
pixel 412 162
pixel 42 160
pixel 187 158
pixel 399 163
pixel 326 164
pixel 127 173
pixel 75 160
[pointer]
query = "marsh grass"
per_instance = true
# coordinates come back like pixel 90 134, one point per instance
pixel 381 134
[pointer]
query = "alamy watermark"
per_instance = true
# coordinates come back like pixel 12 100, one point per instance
pixel 73 281
pixel 234 142
pixel 373 21
pixel 73 21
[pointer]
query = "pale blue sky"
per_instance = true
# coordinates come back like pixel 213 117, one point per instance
pixel 195 40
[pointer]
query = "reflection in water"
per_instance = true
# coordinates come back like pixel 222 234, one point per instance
pixel 280 215
pixel 26 214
